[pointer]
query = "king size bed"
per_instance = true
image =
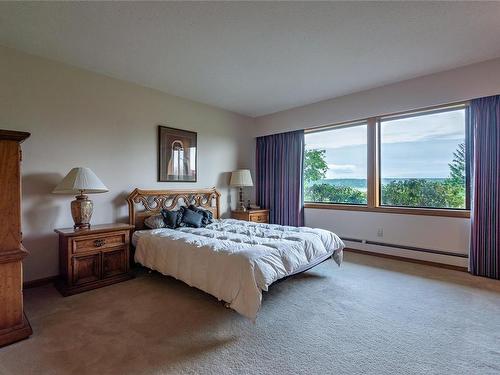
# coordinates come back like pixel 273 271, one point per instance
pixel 230 259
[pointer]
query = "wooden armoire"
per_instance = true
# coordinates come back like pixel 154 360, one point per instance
pixel 13 324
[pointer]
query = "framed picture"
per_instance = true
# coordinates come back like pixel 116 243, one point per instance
pixel 177 155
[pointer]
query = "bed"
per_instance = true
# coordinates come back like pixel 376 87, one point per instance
pixel 233 260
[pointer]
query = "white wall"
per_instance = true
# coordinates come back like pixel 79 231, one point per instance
pixel 78 118
pixel 428 232
pixel 438 233
pixel 455 85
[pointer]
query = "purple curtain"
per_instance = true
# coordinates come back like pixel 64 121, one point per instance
pixel 485 203
pixel 279 166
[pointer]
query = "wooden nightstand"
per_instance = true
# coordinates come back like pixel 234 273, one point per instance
pixel 257 216
pixel 92 258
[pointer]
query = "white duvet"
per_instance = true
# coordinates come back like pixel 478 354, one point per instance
pixel 234 260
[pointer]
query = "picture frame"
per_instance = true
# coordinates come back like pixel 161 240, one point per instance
pixel 177 155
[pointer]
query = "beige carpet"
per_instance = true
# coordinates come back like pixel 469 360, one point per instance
pixel 371 316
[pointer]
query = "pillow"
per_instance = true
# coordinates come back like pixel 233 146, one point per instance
pixel 155 222
pixel 180 214
pixel 208 217
pixel 170 218
pixel 192 219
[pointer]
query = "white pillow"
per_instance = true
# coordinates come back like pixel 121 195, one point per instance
pixel 155 222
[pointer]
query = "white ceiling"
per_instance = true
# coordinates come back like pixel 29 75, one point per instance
pixel 257 58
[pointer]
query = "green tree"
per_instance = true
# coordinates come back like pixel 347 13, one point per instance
pixel 457 166
pixel 421 192
pixel 315 166
pixel 334 194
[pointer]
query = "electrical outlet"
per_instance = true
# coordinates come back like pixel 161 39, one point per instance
pixel 380 232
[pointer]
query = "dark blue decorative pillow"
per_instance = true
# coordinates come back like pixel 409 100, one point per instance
pixel 208 217
pixel 192 219
pixel 180 214
pixel 170 218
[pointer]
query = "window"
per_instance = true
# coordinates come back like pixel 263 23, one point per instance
pixel 411 163
pixel 335 165
pixel 422 160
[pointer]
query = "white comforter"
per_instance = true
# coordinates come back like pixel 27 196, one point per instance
pixel 234 260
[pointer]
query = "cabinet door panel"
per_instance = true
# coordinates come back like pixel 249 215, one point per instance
pixel 86 268
pixel 114 262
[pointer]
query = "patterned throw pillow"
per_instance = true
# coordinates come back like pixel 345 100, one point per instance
pixel 180 215
pixel 154 222
pixel 208 217
pixel 192 219
pixel 170 218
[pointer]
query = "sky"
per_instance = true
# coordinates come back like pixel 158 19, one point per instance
pixel 415 147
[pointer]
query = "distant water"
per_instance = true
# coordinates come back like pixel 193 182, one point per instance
pixel 360 183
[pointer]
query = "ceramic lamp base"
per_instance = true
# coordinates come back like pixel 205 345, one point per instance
pixel 81 210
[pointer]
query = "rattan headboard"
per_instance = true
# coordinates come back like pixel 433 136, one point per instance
pixel 144 203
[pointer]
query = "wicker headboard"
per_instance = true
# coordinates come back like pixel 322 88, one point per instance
pixel 144 203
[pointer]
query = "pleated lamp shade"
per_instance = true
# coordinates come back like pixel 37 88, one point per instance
pixel 241 178
pixel 82 180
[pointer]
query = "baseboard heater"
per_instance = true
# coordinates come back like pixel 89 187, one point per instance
pixel 413 248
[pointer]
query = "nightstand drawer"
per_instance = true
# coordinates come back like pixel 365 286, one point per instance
pixel 259 218
pixel 99 242
pixel 256 216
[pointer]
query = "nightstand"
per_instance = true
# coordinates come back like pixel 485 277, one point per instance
pixel 257 216
pixel 94 257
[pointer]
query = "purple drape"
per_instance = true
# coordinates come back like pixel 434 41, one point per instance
pixel 485 203
pixel 279 167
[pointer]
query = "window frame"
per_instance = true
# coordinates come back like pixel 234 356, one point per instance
pixel 373 167
pixel 344 125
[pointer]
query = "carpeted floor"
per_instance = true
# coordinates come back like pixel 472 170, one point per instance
pixel 371 316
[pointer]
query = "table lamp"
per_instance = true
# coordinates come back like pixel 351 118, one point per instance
pixel 240 179
pixel 81 181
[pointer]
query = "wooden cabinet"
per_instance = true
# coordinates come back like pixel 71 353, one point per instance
pixel 92 258
pixel 13 324
pixel 257 216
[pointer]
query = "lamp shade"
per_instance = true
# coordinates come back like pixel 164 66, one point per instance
pixel 80 180
pixel 241 178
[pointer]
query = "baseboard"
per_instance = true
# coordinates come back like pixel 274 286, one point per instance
pixel 39 282
pixel 406 247
pixel 410 260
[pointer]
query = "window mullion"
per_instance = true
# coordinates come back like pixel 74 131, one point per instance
pixel 372 163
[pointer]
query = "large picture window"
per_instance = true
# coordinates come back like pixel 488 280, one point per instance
pixel 406 163
pixel 422 160
pixel 335 165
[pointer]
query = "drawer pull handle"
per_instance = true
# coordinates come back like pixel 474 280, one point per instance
pixel 99 243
